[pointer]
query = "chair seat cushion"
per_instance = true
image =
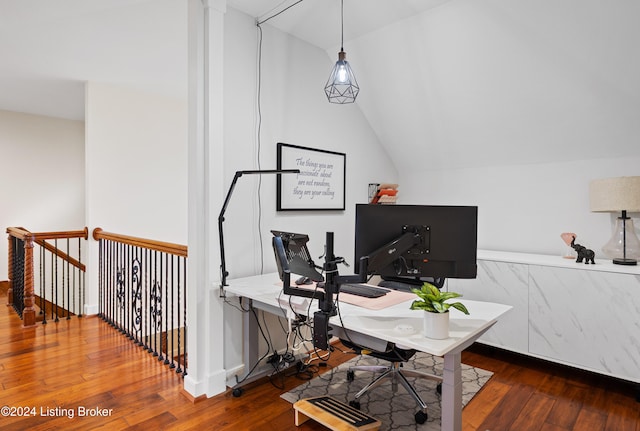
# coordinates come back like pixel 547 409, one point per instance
pixel 392 354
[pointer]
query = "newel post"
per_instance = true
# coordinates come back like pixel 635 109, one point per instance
pixel 10 272
pixel 28 313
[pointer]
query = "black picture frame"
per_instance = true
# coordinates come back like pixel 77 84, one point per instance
pixel 320 185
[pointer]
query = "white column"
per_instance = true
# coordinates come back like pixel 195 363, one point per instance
pixel 205 320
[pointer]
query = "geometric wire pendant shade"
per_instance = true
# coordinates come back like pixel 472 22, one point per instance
pixel 342 87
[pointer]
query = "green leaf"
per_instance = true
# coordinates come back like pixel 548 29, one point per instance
pixel 431 288
pixel 440 308
pixel 449 295
pixel 460 307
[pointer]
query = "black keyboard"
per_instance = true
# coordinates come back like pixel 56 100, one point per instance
pixel 363 290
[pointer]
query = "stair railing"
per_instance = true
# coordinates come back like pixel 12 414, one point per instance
pixel 142 293
pixel 58 268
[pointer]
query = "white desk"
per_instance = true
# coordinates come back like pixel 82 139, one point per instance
pixel 264 291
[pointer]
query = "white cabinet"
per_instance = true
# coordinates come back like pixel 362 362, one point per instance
pixel 504 283
pixel 587 316
pixel 589 319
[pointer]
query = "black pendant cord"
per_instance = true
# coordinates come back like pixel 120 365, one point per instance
pixel 341 25
pixel 278 13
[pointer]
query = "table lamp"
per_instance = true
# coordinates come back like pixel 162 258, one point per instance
pixel 619 194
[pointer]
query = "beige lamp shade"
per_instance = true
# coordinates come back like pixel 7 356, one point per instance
pixel 615 194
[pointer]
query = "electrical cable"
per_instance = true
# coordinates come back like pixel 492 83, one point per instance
pixel 278 13
pixel 259 125
pixel 259 360
pixel 259 142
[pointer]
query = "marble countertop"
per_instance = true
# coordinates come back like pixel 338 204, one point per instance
pixel 602 263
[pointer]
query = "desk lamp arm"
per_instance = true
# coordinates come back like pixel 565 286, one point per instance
pixel 223 267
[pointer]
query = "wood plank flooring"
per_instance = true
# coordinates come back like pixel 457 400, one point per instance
pixel 60 368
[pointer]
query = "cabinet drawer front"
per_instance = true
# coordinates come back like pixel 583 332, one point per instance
pixel 589 319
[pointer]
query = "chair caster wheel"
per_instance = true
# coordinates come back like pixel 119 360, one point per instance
pixel 421 417
pixel 237 392
pixel 439 388
pixel 355 404
pixel 351 375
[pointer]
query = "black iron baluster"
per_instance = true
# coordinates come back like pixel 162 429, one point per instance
pixel 53 266
pixel 81 293
pixel 68 282
pixel 165 337
pixel 155 309
pixel 57 252
pixel 121 286
pixel 178 368
pixel 57 276
pixel 136 295
pixel 127 284
pixel 147 304
pixel 18 276
pixel 111 290
pixel 173 322
pixel 75 287
pixel 100 278
pixel 43 285
pixel 184 316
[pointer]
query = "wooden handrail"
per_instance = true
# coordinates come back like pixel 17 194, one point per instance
pixel 23 234
pixel 63 234
pixel 19 232
pixel 165 247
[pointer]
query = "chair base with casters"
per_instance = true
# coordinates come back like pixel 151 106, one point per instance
pixel 394 372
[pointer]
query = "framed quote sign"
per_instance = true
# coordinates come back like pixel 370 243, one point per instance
pixel 320 185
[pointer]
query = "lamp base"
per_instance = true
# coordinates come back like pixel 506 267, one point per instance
pixel 624 246
pixel 628 262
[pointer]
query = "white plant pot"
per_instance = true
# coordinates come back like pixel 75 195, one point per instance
pixel 436 325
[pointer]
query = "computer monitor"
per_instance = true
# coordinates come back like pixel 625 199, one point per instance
pixel 413 242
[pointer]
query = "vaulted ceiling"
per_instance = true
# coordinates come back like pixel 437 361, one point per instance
pixel 444 83
pixel 49 48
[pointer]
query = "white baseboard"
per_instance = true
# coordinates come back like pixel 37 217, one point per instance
pixel 90 310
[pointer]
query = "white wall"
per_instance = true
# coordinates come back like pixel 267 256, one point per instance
pixel 136 167
pixel 512 105
pixel 136 163
pixel 42 175
pixel 525 208
pixel 295 111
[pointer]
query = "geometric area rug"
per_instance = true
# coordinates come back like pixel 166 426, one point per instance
pixel 395 411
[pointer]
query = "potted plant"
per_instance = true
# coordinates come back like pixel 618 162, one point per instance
pixel 436 310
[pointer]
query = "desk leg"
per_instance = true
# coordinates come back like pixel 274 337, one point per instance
pixel 452 392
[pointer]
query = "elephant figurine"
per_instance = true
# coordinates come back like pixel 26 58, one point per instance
pixel 584 253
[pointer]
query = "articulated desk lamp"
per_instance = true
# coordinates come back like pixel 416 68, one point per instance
pixel 223 266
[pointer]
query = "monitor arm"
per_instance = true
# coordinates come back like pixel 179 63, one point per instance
pixel 380 258
pixel 394 250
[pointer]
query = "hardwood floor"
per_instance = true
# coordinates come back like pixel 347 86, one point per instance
pixel 62 368
pixel 530 394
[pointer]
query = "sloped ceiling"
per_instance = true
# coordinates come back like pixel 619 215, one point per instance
pixel 444 83
pixel 48 49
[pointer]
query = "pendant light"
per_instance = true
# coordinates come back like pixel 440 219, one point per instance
pixel 342 86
